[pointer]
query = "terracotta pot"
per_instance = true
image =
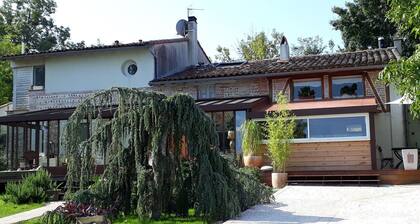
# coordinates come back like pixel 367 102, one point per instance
pixel 254 161
pixel 278 180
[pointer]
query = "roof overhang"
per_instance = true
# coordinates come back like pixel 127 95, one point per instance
pixel 339 106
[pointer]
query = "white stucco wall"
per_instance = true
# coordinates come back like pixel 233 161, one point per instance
pixel 96 71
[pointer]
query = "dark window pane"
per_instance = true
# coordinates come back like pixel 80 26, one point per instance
pixel 337 127
pixel 307 90
pixel 218 120
pixel 301 129
pixel 39 76
pixel 347 87
pixel 229 121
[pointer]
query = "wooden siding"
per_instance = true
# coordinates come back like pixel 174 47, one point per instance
pixel 22 81
pixel 354 155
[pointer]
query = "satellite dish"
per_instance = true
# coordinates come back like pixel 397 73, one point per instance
pixel 181 27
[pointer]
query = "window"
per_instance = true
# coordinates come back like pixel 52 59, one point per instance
pixel 307 89
pixel 206 92
pixel 225 122
pixel 330 128
pixel 347 87
pixel 39 76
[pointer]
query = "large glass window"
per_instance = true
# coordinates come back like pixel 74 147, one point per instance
pixel 338 127
pixel 329 127
pixel 347 87
pixel 225 122
pixel 307 89
pixel 240 117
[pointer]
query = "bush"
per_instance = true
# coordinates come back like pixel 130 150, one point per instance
pixel 32 189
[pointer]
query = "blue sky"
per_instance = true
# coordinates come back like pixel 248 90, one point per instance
pixel 220 23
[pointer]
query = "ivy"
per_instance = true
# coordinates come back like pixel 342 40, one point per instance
pixel 146 171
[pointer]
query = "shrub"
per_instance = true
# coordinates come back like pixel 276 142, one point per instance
pixel 32 189
pixel 251 137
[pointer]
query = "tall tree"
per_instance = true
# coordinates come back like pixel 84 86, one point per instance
pixel 223 54
pixel 258 46
pixel 405 74
pixel 311 45
pixel 6 77
pixel 361 23
pixel 31 22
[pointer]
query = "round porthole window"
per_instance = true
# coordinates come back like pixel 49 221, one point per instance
pixel 129 68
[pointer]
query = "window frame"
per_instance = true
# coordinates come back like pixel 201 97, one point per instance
pixel 330 139
pixel 34 77
pixel 330 83
pixel 207 87
pixel 292 88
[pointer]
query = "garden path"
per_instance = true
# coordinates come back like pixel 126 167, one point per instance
pixel 23 216
pixel 341 205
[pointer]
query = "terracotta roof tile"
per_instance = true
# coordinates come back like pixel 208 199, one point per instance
pixel 354 59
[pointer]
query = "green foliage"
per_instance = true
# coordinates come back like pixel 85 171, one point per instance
pixel 311 45
pixel 361 22
pixel 223 54
pixel 257 46
pixel 32 189
pixel 54 217
pixel 252 135
pixel 405 74
pixel 280 127
pixel 406 15
pixel 8 208
pixel 31 22
pixel 145 172
pixel 6 75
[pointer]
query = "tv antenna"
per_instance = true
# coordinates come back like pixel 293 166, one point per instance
pixel 192 9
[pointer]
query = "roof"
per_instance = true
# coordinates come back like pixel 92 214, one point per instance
pixel 376 58
pixel 93 48
pixel 324 107
pixel 207 105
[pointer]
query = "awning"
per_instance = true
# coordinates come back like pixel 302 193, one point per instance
pixel 402 100
pixel 207 105
pixel 243 103
pixel 339 106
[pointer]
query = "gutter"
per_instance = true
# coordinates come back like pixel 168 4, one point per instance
pixel 267 75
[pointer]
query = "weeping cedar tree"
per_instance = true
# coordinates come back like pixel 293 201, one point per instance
pixel 145 171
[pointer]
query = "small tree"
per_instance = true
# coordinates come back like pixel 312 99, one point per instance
pixel 251 137
pixel 280 127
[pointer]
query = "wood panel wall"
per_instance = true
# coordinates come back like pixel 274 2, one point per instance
pixel 354 155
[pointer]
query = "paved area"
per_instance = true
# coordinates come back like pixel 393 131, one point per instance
pixel 23 216
pixel 320 204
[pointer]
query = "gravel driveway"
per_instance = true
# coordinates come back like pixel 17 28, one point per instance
pixel 320 204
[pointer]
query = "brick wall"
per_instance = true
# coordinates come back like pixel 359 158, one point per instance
pixel 240 88
pixel 379 86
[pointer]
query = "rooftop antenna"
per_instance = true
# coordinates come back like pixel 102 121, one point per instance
pixel 192 9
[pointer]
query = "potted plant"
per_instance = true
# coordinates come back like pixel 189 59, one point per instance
pixel 251 144
pixel 280 127
pixel 306 93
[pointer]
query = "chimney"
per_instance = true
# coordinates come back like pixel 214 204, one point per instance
pixel 192 40
pixel 398 44
pixel 381 42
pixel 284 49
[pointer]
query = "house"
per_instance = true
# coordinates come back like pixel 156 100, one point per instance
pixel 339 102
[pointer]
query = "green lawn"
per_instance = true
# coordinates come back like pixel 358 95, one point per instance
pixel 7 209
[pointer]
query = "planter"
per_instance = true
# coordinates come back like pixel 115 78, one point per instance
pixel 410 158
pixel 98 219
pixel 254 161
pixel 278 180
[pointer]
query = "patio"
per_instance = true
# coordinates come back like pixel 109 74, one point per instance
pixel 320 204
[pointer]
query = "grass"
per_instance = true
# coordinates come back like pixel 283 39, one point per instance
pixel 7 209
pixel 133 219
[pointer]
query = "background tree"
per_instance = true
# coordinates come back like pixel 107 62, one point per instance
pixel 311 45
pixel 6 76
pixel 361 23
pixel 223 54
pixel 31 22
pixel 258 46
pixel 405 73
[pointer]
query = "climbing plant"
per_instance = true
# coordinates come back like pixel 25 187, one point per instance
pixel 160 155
